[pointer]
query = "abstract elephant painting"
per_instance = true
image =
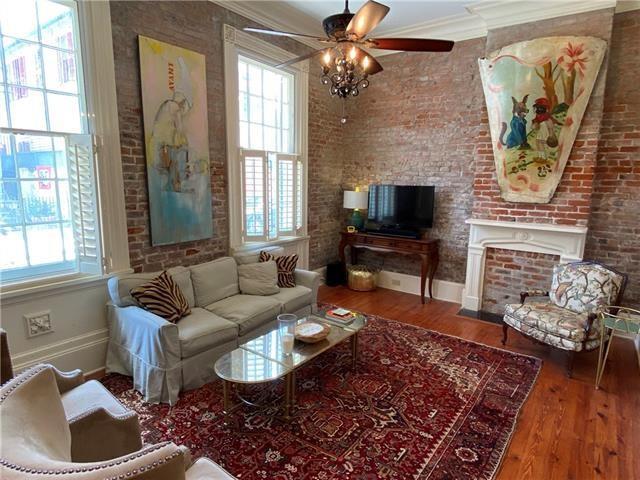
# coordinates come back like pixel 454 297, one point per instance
pixel 174 104
pixel 536 94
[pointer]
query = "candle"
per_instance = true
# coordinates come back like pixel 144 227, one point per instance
pixel 287 343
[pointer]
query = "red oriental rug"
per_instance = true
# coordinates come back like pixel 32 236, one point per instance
pixel 421 405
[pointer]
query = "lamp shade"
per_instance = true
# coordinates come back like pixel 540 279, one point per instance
pixel 355 200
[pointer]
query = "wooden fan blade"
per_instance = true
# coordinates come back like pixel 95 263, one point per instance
pixel 286 34
pixel 301 58
pixel 373 67
pixel 367 18
pixel 410 44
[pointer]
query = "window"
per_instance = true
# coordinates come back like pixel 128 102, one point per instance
pixel 48 199
pixel 272 175
pixel 266 130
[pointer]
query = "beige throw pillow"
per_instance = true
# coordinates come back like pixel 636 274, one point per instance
pixel 258 278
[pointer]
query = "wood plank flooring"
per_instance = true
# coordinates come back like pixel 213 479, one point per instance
pixel 567 430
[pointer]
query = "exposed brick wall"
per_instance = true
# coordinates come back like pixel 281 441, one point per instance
pixel 572 200
pixel 421 122
pixel 198 26
pixel 417 124
pixel 614 226
pixel 325 174
pixel 507 273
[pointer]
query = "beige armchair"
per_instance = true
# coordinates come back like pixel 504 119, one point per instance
pixel 565 318
pixel 37 439
pixel 93 412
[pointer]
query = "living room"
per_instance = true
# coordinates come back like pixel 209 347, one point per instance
pixel 320 239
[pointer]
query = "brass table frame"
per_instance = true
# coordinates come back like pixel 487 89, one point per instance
pixel 614 319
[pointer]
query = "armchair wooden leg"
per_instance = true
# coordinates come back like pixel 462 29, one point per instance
pixel 505 330
pixel 570 360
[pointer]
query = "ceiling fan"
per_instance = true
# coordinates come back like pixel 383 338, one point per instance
pixel 351 29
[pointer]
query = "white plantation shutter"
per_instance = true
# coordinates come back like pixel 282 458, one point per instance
pixel 271 195
pixel 254 194
pixel 286 197
pixel 299 205
pixel 81 160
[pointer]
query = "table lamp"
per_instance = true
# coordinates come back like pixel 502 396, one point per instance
pixel 357 201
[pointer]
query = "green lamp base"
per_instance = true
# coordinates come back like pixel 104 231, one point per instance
pixel 357 220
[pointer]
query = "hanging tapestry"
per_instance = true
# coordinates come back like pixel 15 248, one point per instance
pixel 536 93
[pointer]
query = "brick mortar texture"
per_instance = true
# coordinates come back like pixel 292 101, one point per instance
pixel 198 26
pixel 614 225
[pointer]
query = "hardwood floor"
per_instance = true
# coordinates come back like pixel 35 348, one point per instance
pixel 567 429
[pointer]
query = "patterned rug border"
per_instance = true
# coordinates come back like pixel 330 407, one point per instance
pixel 504 446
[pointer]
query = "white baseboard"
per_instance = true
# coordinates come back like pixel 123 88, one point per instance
pixel 442 289
pixel 88 350
pixel 401 282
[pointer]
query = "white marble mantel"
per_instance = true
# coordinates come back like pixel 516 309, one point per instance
pixel 566 241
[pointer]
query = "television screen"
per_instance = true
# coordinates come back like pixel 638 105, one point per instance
pixel 400 207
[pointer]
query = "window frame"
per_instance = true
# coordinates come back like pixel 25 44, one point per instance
pixel 100 108
pixel 236 44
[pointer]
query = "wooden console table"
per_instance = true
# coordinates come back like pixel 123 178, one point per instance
pixel 427 250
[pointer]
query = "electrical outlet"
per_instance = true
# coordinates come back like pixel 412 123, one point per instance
pixel 395 282
pixel 38 323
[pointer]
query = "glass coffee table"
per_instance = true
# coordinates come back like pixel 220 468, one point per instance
pixel 263 360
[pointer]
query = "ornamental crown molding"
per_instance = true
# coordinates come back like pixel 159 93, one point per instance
pixel 482 16
pixel 277 16
pixel 504 13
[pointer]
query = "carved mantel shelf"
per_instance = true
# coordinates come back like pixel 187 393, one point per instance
pixel 565 241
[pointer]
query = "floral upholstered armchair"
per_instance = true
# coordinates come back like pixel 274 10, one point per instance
pixel 566 319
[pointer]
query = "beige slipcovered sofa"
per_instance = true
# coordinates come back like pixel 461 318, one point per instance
pixel 164 358
pixel 37 441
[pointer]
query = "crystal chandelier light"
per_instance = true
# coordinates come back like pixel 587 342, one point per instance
pixel 345 74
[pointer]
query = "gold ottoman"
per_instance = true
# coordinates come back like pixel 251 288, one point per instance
pixel 362 278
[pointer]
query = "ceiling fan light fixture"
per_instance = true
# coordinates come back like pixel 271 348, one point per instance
pixel 346 66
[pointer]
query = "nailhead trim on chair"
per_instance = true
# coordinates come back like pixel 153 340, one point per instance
pixel 19 380
pixel 131 457
pixel 10 386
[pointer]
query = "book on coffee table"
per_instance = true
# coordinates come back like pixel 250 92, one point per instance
pixel 340 315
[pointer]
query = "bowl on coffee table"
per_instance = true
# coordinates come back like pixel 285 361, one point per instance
pixel 311 332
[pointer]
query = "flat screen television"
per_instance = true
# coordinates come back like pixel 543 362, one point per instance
pixel 401 210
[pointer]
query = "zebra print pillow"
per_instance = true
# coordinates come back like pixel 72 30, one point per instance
pixel 286 268
pixel 163 297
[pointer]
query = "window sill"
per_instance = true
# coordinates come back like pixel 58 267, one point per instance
pixel 249 246
pixel 24 292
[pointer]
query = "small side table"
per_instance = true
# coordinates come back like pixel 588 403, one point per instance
pixel 614 319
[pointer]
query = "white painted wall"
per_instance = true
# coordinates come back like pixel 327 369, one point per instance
pixel 78 318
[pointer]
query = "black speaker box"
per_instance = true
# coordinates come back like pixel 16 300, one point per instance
pixel 336 274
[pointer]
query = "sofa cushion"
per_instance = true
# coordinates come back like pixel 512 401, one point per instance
pixel 213 281
pixel 203 330
pixel 120 286
pixel 258 278
pixel 163 297
pixel 247 311
pixel 550 318
pixel 551 339
pixel 293 299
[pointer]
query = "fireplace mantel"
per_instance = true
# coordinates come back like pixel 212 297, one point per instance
pixel 562 240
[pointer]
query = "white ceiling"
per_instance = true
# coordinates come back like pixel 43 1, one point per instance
pixel 447 19
pixel 403 14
